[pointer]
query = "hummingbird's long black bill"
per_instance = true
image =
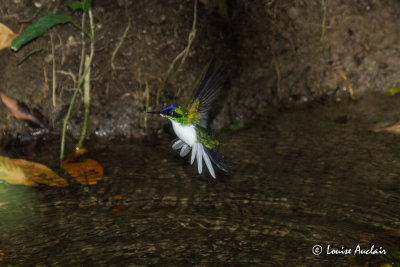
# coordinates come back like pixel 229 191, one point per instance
pixel 153 112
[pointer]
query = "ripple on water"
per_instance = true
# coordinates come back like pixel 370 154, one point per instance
pixel 298 180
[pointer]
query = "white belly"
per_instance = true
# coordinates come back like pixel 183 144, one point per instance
pixel 186 133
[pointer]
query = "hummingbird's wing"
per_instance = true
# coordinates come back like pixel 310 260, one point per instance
pixel 207 91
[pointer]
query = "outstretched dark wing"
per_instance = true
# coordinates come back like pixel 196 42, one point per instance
pixel 216 158
pixel 200 152
pixel 208 90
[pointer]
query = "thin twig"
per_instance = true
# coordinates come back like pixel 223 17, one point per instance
pixel 33 16
pixel 70 74
pixel 54 70
pixel 83 47
pixel 325 8
pixel 80 82
pixel 278 76
pixel 86 101
pixel 182 55
pixel 273 50
pixel 86 78
pixel 118 46
pixel 191 37
pixel 147 93
pixel 122 38
pixel 28 55
pixel 62 48
pixel 64 129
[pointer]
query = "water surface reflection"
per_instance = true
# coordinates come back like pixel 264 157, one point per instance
pixel 314 175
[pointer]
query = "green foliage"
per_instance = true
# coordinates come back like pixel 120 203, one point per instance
pixel 76 5
pixel 38 28
pixel 393 91
pixel 396 255
pixel 46 22
pixel 233 128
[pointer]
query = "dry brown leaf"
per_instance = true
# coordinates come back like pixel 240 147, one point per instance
pixel 12 173
pixel 22 112
pixel 15 108
pixel 39 173
pixel 87 171
pixel 76 154
pixel 19 171
pixel 6 36
pixel 118 208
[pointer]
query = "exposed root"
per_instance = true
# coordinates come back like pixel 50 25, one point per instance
pixel 54 70
pixel 80 82
pixel 182 56
pixel 122 38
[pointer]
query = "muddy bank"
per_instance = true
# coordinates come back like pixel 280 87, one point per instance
pixel 279 54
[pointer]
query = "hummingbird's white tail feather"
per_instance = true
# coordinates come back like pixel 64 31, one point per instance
pixel 200 152
pixel 185 150
pixel 194 153
pixel 208 162
pixel 178 143
pixel 199 158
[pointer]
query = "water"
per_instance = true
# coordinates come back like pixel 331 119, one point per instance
pixel 314 175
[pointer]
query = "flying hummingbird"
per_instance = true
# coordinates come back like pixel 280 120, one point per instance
pixel 190 122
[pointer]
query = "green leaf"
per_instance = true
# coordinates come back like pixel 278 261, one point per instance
pixel 233 128
pixel 87 4
pixel 396 255
pixel 38 28
pixel 75 5
pixel 393 91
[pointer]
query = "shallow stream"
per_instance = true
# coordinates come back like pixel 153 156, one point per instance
pixel 313 175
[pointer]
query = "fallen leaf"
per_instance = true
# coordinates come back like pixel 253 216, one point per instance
pixel 6 36
pixel 39 173
pixel 85 171
pixel 76 154
pixel 12 173
pixel 393 129
pixel 19 171
pixel 22 112
pixel 118 207
pixel 393 91
pixel 19 111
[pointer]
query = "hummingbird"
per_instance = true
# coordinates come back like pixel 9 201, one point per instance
pixel 189 122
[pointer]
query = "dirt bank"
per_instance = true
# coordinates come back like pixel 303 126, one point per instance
pixel 279 53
